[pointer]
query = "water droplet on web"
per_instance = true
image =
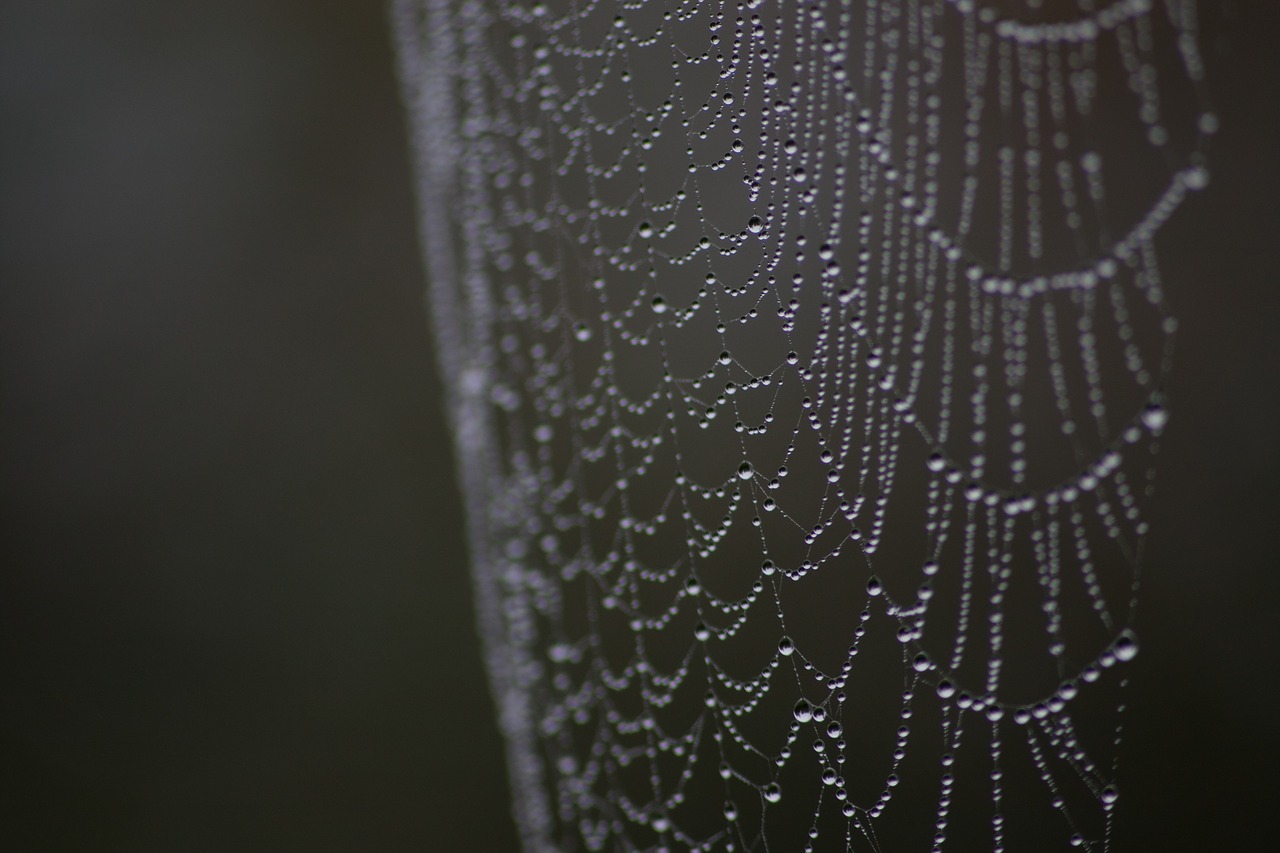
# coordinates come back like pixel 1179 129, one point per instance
pixel 1155 417
pixel 1126 646
pixel 744 471
pixel 659 305
pixel 645 230
pixel 773 792
pixel 834 729
pixel 874 587
pixel 785 646
pixel 803 711
pixel 582 332
pixel 755 224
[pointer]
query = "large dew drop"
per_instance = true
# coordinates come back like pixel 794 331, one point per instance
pixel 1126 646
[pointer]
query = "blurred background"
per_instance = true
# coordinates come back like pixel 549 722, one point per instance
pixel 234 603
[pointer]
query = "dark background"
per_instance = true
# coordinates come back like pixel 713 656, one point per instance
pixel 234 603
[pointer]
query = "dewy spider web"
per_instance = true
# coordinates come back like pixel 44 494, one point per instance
pixel 806 364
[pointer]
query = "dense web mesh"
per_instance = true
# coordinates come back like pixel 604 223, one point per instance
pixel 806 363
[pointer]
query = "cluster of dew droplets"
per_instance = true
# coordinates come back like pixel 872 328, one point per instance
pixel 713 282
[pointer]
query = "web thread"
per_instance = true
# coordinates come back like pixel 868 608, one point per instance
pixel 807 364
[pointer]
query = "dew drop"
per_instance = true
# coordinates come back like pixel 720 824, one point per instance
pixel 659 305
pixel 745 471
pixel 773 792
pixel 755 225
pixel 834 729
pixel 803 711
pixel 874 587
pixel 785 646
pixel 1155 416
pixel 1126 646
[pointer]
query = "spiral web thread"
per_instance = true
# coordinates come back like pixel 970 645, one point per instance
pixel 806 364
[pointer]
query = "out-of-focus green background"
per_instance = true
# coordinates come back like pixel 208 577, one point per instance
pixel 234 604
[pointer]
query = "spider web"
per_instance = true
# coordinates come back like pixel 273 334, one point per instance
pixel 806 364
